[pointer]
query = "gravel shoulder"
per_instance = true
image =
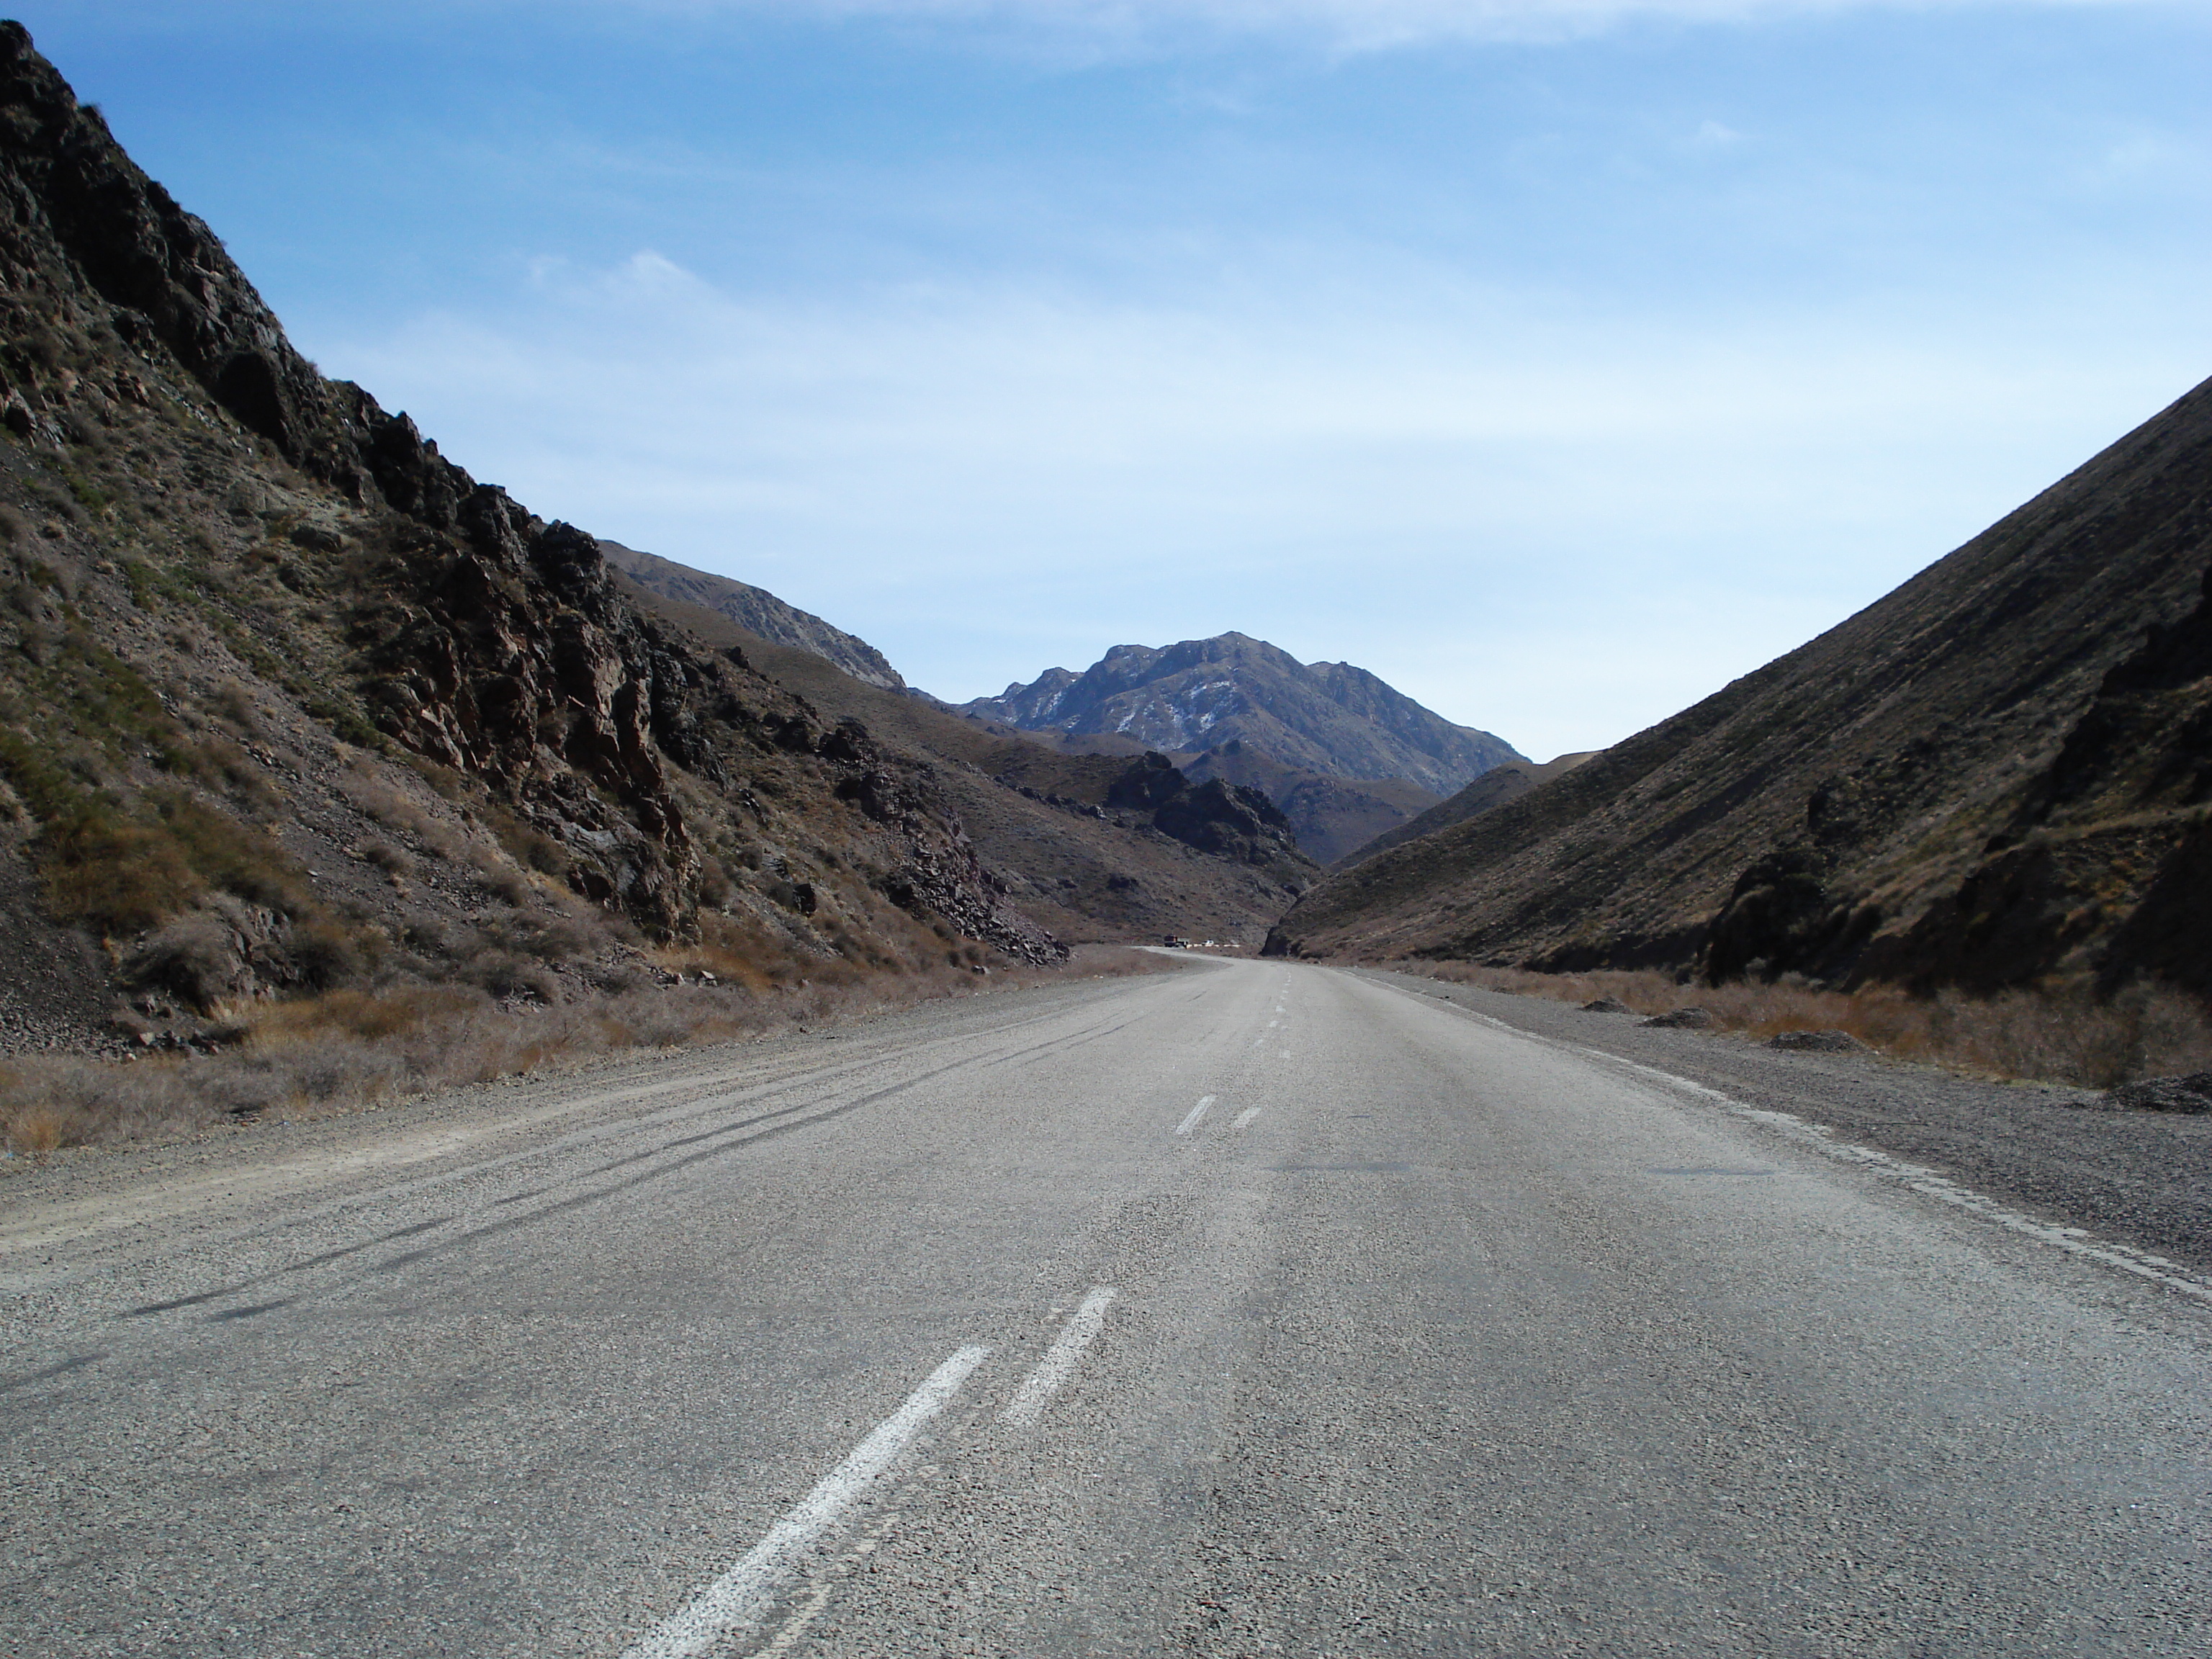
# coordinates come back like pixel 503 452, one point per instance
pixel 2140 1178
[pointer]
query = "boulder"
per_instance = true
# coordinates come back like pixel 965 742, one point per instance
pixel 1687 1020
pixel 2192 1094
pixel 1823 1042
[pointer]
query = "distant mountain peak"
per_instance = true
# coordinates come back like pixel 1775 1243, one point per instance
pixel 1333 718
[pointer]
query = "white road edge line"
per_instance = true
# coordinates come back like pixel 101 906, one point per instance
pixel 742 1593
pixel 2075 1240
pixel 1058 1362
pixel 1196 1113
pixel 1243 1119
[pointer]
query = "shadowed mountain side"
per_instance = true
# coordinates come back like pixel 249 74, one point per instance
pixel 1493 788
pixel 756 611
pixel 1994 775
pixel 1331 816
pixel 1326 718
pixel 1087 867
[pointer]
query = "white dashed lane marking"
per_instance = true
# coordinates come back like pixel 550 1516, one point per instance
pixel 1058 1362
pixel 741 1595
pixel 1196 1113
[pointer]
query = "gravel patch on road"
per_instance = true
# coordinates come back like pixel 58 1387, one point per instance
pixel 2139 1178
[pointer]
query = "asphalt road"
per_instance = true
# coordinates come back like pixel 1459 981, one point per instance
pixel 1253 1308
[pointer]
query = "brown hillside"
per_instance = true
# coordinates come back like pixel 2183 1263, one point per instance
pixel 1995 774
pixel 1086 865
pixel 1493 788
pixel 756 611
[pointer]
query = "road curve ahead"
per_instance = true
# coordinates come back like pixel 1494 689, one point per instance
pixel 1253 1308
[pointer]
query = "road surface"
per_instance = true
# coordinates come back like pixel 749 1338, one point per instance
pixel 1253 1309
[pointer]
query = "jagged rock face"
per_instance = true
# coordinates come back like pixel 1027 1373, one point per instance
pixel 1996 775
pixel 1331 818
pixel 196 521
pixel 941 873
pixel 1327 717
pixel 1226 819
pixel 163 269
pixel 546 687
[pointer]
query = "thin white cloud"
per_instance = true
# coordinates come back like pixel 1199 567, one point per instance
pixel 1343 25
pixel 1558 527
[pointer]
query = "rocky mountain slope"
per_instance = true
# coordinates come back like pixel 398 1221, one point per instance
pixel 1493 788
pixel 1094 838
pixel 1998 774
pixel 1331 816
pixel 289 701
pixel 756 611
pixel 1326 718
pixel 1328 815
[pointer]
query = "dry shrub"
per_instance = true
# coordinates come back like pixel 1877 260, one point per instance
pixel 49 1101
pixel 220 764
pixel 236 704
pixel 390 806
pixel 368 1016
pixel 740 952
pixel 2053 1033
pixel 392 860
pixel 194 958
pixel 39 1127
pixel 101 869
pixel 529 846
pixel 1117 962
pixel 510 887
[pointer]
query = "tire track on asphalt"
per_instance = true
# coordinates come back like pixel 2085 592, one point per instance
pixel 721 1135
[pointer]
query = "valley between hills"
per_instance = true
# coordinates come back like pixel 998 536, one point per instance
pixel 329 771
pixel 554 1104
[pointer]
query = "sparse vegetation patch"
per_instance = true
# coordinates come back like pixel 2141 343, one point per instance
pixel 2054 1035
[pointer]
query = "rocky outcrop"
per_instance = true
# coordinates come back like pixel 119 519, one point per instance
pixel 164 271
pixel 1226 819
pixel 1331 816
pixel 2106 863
pixel 502 653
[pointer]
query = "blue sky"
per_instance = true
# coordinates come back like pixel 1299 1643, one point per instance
pixel 1557 360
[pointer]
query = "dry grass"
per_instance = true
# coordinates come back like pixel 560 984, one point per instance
pixel 2053 1035
pixel 378 798
pixel 348 1048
